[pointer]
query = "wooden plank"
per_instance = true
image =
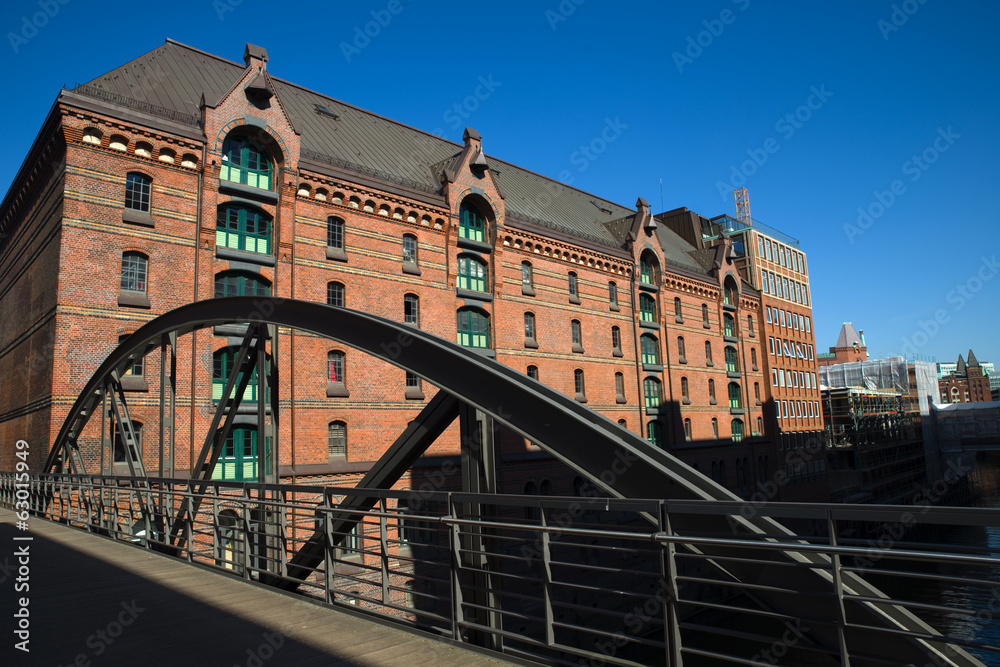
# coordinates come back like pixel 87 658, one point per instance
pixel 109 601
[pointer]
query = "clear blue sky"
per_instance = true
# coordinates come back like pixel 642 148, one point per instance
pixel 694 90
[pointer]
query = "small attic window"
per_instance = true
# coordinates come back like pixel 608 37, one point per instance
pixel 425 220
pixel 303 190
pixel 321 194
pixel 383 210
pixel 369 206
pixel 354 203
pixel 118 143
pixel 189 161
pixel 412 217
pixel 323 111
pixel 92 136
pixel 398 214
pixel 143 149
pixel 167 155
pixel 338 198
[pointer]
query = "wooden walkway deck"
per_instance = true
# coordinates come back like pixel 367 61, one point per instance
pixel 93 601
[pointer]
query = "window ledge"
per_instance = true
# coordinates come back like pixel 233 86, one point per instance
pixel 483 297
pixel 134 383
pixel 682 359
pixel 710 363
pixel 414 393
pixel 135 217
pixel 578 348
pixel 236 330
pixel 648 287
pixel 574 298
pixel 411 268
pixel 245 256
pixel 652 368
pixel 686 401
pixel 337 390
pixel 617 353
pixel 134 300
pixel 649 325
pixel 527 291
pixel 755 367
pixel 614 308
pixel 338 254
pixel 486 352
pixel 229 187
pixel 729 307
pixel 712 401
pixel 737 411
pixel 678 319
pixel 706 325
pixel 620 400
pixel 652 411
pixel 581 398
pixel 736 375
pixel 531 343
pixel 473 245
pixel 731 339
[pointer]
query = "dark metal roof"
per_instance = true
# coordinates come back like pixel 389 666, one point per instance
pixel 173 77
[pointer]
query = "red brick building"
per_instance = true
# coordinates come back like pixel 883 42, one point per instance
pixel 850 347
pixel 182 176
pixel 968 384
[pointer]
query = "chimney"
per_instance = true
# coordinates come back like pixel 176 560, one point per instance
pixel 862 334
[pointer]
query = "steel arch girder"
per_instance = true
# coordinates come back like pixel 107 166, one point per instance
pixel 620 461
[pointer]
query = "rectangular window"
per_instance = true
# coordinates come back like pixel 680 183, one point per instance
pixel 808 325
pixel 410 249
pixel 810 352
pixel 777 410
pixel 784 408
pixel 767 312
pixel 781 378
pixel 137 188
pixel 767 248
pixel 763 279
pixel 770 343
pixel 782 313
pixel 770 279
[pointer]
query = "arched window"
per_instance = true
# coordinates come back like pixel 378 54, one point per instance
pixel 335 294
pixel 241 283
pixel 687 429
pixel 574 288
pixel 704 316
pixel 732 360
pixel 222 365
pixel 529 328
pixel 685 394
pixel 335 234
pixel 243 228
pixel 647 308
pixel 613 295
pixel 119 451
pixel 750 330
pixel 760 426
pixel 648 268
pixel 729 326
pixel 410 250
pixel 651 392
pixel 650 350
pixel 708 353
pixel 411 309
pixel 681 352
pixel 527 279
pixel 730 292
pixel 654 434
pixel 753 358
pixel 471 223
pixel 230 538
pixel 471 273
pixel 734 396
pixel 579 386
pixel 336 367
pixel 244 161
pixel 620 388
pixel 737 426
pixel 473 328
pixel 678 313
pixel 336 440
pixel 137 189
pixel 135 268
pixel 532 372
pixel 577 334
pixel 711 391
pixel 715 428
pixel 616 341
pixel 756 392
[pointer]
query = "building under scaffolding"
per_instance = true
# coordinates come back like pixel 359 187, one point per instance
pixel 872 411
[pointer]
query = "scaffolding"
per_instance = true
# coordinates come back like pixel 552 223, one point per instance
pixel 874 374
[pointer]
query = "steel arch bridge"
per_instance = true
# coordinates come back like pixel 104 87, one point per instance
pixel 480 393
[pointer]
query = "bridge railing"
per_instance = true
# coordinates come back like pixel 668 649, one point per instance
pixel 580 580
